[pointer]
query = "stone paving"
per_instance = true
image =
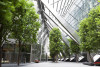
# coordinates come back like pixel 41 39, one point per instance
pixel 15 65
pixel 50 64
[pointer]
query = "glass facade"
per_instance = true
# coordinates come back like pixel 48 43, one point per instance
pixel 65 15
pixel 72 11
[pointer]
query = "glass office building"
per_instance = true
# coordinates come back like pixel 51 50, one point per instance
pixel 65 15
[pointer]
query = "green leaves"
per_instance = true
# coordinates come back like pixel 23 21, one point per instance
pixel 25 20
pixel 67 50
pixel 6 14
pixel 98 0
pixel 20 18
pixel 74 47
pixel 55 42
pixel 89 30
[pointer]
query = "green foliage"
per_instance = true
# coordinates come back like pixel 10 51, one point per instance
pixel 25 48
pixel 98 0
pixel 19 18
pixel 74 47
pixel 25 21
pixel 67 50
pixel 6 9
pixel 55 42
pixel 63 51
pixel 89 31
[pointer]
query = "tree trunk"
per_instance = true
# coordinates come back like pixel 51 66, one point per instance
pixel 53 59
pixel 0 51
pixel 0 55
pixel 56 58
pixel 69 57
pixel 64 58
pixel 76 57
pixel 1 28
pixel 46 57
pixel 89 58
pixel 19 53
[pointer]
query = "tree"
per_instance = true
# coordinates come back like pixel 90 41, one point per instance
pixel 25 23
pixel 74 48
pixel 6 9
pixel 63 52
pixel 67 50
pixel 19 18
pixel 55 43
pixel 89 32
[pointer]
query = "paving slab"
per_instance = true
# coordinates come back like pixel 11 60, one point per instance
pixel 50 64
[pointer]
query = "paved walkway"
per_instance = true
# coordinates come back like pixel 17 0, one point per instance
pixel 15 65
pixel 51 64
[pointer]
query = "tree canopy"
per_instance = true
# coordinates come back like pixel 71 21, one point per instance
pixel 55 42
pixel 6 9
pixel 19 18
pixel 74 47
pixel 67 50
pixel 25 21
pixel 89 31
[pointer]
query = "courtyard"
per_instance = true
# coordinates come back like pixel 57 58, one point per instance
pixel 49 64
